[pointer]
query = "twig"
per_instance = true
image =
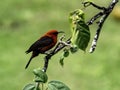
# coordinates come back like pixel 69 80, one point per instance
pixel 103 14
pixel 58 47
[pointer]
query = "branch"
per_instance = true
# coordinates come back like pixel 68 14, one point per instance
pixel 58 47
pixel 103 14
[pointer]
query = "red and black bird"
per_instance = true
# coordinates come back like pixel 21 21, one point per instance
pixel 45 43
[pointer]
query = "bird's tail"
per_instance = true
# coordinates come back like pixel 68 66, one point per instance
pixel 28 62
pixel 34 54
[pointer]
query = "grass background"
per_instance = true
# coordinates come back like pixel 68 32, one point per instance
pixel 23 21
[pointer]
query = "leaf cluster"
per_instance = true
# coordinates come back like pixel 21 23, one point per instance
pixel 41 78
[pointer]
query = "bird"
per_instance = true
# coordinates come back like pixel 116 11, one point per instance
pixel 43 44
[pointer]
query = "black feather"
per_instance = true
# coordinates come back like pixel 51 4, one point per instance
pixel 42 42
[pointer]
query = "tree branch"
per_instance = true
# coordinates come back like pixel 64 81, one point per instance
pixel 104 14
pixel 58 47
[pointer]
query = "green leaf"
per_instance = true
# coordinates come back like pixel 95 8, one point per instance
pixel 74 49
pixel 61 61
pixel 80 30
pixel 40 76
pixel 57 85
pixel 37 88
pixel 29 87
pixel 65 52
pixel 51 87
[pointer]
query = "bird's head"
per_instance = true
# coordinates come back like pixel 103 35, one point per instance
pixel 54 32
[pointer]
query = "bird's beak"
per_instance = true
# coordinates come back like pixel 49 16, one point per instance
pixel 61 32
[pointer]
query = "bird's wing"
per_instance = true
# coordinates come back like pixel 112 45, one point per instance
pixel 42 42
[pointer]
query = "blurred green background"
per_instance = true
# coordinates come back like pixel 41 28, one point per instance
pixel 24 21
